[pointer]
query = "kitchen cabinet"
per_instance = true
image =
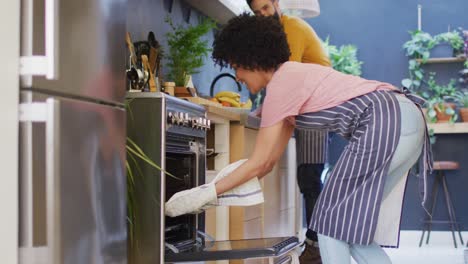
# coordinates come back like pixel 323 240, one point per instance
pixel 220 10
pixel 217 219
pixel 281 213
pixel 245 222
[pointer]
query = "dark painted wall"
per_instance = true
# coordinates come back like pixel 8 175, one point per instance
pixel 149 15
pixel 379 29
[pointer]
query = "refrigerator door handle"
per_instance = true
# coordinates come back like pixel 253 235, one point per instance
pixel 47 64
pixel 48 113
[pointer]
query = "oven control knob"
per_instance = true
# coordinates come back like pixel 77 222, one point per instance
pixel 192 122
pixel 186 120
pixel 171 118
pixel 175 120
pixel 180 120
pixel 200 123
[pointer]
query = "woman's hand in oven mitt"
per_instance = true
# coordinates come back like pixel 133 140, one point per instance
pixel 191 201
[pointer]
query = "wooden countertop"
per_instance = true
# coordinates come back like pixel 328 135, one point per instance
pixel 215 113
pixel 218 113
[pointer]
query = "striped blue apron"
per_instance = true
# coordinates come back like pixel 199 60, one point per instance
pixel 311 146
pixel 349 204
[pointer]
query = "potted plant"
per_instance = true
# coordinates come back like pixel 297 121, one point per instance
pixel 449 44
pixel 461 98
pixel 344 58
pixel 439 109
pixel 187 50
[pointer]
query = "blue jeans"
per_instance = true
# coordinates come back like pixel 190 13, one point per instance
pixel 334 251
pixel 310 185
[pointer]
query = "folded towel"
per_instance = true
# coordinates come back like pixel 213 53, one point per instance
pixel 294 255
pixel 246 194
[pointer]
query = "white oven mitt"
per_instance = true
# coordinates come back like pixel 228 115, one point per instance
pixel 191 201
pixel 200 198
pixel 246 194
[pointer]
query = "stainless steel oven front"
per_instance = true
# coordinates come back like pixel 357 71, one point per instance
pixel 172 132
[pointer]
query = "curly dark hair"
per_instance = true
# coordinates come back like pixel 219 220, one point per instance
pixel 252 42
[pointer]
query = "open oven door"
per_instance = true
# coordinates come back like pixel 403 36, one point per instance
pixel 206 250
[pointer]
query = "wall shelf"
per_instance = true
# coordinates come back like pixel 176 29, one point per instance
pixel 446 128
pixel 443 60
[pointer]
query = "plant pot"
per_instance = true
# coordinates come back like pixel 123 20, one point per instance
pixel 442 117
pixel 181 91
pixel 443 50
pixel 464 114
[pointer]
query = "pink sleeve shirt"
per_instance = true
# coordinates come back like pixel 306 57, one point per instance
pixel 298 88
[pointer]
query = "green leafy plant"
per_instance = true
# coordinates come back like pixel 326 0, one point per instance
pixel 419 45
pixel 460 98
pixel 418 50
pixel 438 90
pixel 344 58
pixel 134 152
pixel 187 49
pixel 453 38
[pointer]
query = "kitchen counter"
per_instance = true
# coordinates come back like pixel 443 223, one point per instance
pixel 240 115
pixel 220 114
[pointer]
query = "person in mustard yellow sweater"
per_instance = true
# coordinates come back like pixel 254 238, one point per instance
pixel 311 146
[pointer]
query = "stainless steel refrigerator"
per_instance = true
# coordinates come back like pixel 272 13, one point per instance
pixel 72 132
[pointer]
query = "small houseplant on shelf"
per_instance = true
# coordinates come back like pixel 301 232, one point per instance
pixel 461 99
pixel 440 110
pixel 187 50
pixel 344 58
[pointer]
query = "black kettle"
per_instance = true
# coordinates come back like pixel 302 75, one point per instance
pixel 239 88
